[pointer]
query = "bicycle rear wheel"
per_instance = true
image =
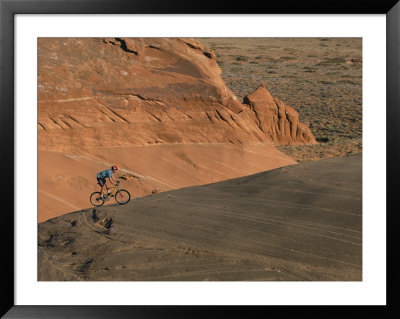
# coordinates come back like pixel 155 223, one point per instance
pixel 95 199
pixel 122 196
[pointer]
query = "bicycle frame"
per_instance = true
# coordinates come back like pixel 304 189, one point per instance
pixel 113 190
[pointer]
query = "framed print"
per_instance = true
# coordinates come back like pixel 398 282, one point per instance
pixel 175 159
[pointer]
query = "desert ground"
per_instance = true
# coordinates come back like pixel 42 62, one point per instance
pixel 320 77
pixel 296 223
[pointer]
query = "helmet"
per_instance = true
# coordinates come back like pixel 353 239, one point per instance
pixel 114 168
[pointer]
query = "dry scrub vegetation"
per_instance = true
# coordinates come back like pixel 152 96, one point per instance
pixel 321 78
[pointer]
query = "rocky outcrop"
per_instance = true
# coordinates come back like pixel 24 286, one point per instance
pixel 96 92
pixel 134 92
pixel 277 120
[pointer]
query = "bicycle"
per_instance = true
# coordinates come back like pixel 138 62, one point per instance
pixel 121 196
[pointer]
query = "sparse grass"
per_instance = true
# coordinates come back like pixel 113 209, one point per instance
pixel 287 58
pixel 326 82
pixel 337 60
pixel 242 58
pixel 347 82
pixel 349 76
pixel 236 69
pixel 333 73
pixel 308 69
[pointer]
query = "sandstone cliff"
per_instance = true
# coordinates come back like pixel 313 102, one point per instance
pixel 121 92
pixel 158 108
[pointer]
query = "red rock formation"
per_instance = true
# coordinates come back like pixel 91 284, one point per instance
pixel 157 108
pixel 277 120
pixel 147 91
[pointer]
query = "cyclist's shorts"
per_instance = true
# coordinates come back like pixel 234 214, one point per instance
pixel 101 181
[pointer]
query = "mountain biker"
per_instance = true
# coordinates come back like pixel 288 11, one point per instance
pixel 101 179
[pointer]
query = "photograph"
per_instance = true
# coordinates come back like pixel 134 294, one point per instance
pixel 177 159
pixel 199 159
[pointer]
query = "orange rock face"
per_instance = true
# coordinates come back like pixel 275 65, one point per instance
pixel 146 91
pixel 102 100
pixel 277 120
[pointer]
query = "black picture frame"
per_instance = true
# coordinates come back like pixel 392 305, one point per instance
pixel 8 10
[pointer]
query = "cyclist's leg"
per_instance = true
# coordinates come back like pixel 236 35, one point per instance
pixel 104 194
pixel 101 182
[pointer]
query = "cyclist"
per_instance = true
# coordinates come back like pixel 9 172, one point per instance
pixel 101 179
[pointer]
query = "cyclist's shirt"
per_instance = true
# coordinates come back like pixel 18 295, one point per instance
pixel 104 174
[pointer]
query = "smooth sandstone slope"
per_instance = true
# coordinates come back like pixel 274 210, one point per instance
pixel 295 223
pixel 157 108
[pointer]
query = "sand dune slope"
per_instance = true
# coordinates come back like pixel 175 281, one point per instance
pixel 300 222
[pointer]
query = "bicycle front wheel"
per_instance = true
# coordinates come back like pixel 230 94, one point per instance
pixel 95 199
pixel 122 196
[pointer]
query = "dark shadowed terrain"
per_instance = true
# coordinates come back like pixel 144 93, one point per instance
pixel 296 223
